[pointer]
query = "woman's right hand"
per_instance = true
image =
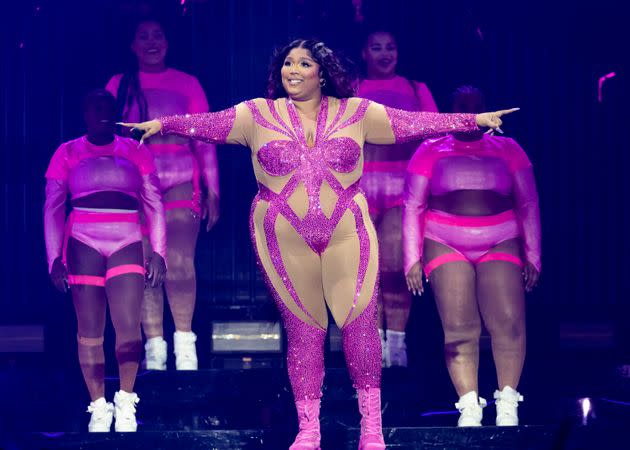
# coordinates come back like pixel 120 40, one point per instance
pixel 150 128
pixel 414 279
pixel 59 276
pixel 156 270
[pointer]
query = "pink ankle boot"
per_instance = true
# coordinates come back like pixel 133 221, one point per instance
pixel 371 427
pixel 309 436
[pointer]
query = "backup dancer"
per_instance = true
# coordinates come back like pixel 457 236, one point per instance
pixel 96 251
pixel 189 182
pixel 383 182
pixel 471 222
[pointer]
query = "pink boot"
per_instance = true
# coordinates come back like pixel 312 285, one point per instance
pixel 371 427
pixel 309 436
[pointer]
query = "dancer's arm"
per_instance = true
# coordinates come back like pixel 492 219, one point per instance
pixel 415 199
pixel 527 211
pixel 230 126
pixel 427 102
pixel 385 126
pixel 55 216
pixel 153 209
pixel 206 154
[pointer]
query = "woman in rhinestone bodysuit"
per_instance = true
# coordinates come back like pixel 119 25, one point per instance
pixel 97 250
pixel 471 222
pixel 153 90
pixel 383 182
pixel 310 223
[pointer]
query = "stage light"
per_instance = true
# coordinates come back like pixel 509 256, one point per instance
pixel 246 337
pixel 586 408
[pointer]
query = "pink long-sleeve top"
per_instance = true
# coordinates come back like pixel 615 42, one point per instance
pixel 176 158
pixel 492 163
pixel 400 93
pixel 80 168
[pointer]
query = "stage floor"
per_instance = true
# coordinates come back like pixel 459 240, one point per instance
pixel 253 409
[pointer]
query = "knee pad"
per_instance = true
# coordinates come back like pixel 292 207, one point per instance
pixel 90 341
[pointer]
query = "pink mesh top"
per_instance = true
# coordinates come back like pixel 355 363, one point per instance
pixel 400 93
pixel 81 168
pixel 177 159
pixel 492 163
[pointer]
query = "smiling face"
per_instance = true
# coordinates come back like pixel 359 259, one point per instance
pixel 301 75
pixel 150 46
pixel 380 55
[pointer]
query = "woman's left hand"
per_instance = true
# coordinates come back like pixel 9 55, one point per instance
pixel 530 275
pixel 492 120
pixel 156 269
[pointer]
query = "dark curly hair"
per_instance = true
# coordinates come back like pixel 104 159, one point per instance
pixel 338 71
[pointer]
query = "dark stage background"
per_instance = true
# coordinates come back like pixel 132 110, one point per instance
pixel 545 57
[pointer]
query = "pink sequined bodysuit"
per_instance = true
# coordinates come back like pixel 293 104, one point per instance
pixel 491 163
pixel 310 224
pixel 384 168
pixel 81 168
pixel 178 160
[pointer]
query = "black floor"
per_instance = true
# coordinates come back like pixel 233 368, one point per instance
pixel 253 409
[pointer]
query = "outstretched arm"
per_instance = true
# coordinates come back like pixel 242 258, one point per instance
pixel 230 126
pixel 384 125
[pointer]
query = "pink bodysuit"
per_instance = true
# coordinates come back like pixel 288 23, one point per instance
pixel 310 224
pixel 178 160
pixel 384 168
pixel 81 168
pixel 447 164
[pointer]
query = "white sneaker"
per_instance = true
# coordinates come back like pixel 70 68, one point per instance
pixel 470 408
pixel 507 407
pixel 185 350
pixel 155 354
pixel 397 349
pixel 384 349
pixel 102 415
pixel 125 411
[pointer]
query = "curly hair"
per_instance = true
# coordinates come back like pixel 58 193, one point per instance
pixel 338 71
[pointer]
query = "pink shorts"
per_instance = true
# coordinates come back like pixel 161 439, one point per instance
pixel 383 183
pixel 470 238
pixel 105 232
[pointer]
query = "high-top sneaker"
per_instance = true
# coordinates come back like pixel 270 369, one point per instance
pixel 125 411
pixel 102 415
pixel 470 408
pixel 309 436
pixel 155 354
pixel 397 349
pixel 507 407
pixel 185 350
pixel 371 425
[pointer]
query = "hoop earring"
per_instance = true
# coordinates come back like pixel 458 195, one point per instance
pixel 322 82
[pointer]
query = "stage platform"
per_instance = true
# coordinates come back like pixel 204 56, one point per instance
pixel 253 409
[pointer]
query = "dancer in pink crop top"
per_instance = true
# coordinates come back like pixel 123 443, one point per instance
pixel 471 222
pixel 383 182
pixel 310 224
pixel 97 249
pixel 184 166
